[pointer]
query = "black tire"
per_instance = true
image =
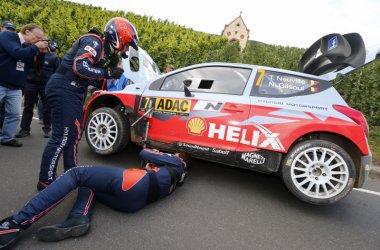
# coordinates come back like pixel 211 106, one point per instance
pixel 107 131
pixel 318 172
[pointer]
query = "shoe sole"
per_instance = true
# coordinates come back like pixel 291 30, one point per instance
pixel 52 233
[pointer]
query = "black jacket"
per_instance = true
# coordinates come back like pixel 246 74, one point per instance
pixel 42 74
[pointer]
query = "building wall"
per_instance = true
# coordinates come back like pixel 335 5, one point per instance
pixel 236 30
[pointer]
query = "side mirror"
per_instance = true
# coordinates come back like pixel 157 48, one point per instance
pixel 187 82
pixel 186 86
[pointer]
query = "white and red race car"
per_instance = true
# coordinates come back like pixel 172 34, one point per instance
pixel 259 118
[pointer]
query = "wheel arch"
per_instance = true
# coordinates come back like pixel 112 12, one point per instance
pixel 111 101
pixel 349 146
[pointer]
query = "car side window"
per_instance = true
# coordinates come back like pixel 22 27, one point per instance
pixel 277 84
pixel 219 80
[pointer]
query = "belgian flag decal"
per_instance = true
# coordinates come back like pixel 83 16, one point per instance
pixel 313 86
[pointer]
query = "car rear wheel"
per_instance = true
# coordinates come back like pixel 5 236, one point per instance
pixel 107 131
pixel 318 172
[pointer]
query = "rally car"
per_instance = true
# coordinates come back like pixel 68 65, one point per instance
pixel 254 117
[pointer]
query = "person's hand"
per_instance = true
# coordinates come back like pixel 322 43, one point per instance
pixel 114 73
pixel 43 46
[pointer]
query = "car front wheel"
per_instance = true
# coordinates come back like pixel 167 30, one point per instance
pixel 107 131
pixel 319 172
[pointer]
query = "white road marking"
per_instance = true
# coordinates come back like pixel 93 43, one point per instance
pixel 367 191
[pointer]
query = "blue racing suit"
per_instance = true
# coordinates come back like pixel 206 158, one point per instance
pixel 65 93
pixel 127 190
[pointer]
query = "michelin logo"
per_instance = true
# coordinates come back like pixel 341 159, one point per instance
pixel 253 158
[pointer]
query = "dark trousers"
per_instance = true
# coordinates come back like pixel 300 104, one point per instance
pixel 2 114
pixel 31 92
pixel 103 183
pixel 66 104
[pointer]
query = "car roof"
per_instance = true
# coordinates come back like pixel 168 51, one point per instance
pixel 250 66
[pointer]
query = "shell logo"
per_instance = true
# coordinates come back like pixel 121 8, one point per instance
pixel 196 126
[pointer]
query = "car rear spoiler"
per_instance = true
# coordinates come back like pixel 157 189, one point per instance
pixel 336 55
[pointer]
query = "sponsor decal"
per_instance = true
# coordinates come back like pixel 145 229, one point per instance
pixel 332 43
pixel 91 50
pixel 292 104
pixel 95 44
pixel 220 151
pixel 196 126
pixel 173 106
pixel 57 154
pixel 166 105
pixel 253 158
pixel 192 146
pixel 313 86
pixel 88 68
pixel 260 137
pixel 305 106
pixel 208 106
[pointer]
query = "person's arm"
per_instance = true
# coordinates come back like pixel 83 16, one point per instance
pixel 11 43
pixel 89 52
pixel 159 158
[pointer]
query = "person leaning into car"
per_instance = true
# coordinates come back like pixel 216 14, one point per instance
pixel 127 190
pixel 83 65
pixel 17 53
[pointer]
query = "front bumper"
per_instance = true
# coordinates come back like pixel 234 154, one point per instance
pixel 365 168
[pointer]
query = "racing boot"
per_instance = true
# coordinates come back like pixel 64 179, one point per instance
pixel 74 226
pixel 9 233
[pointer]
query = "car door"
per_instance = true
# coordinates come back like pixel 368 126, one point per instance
pixel 205 122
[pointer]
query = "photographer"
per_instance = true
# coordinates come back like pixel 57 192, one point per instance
pixel 83 65
pixel 34 87
pixel 17 53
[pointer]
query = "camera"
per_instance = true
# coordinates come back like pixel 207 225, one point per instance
pixel 53 46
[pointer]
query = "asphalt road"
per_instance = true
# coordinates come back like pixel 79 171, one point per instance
pixel 218 207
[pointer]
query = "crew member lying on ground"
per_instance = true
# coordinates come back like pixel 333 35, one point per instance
pixel 127 190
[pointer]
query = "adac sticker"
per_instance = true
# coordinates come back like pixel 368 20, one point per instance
pixel 91 50
pixel 167 105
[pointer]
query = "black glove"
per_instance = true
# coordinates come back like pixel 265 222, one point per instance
pixel 114 73
pixel 113 60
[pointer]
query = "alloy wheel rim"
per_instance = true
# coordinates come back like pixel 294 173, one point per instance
pixel 102 131
pixel 319 172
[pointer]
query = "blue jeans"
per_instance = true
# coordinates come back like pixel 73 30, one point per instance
pixel 12 101
pixel 103 183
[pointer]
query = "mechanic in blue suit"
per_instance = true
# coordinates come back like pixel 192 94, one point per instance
pixel 127 190
pixel 86 63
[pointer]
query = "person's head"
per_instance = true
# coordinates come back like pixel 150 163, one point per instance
pixel 7 25
pixel 119 35
pixel 169 68
pixel 32 33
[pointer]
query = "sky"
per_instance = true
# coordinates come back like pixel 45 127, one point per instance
pixel 295 23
